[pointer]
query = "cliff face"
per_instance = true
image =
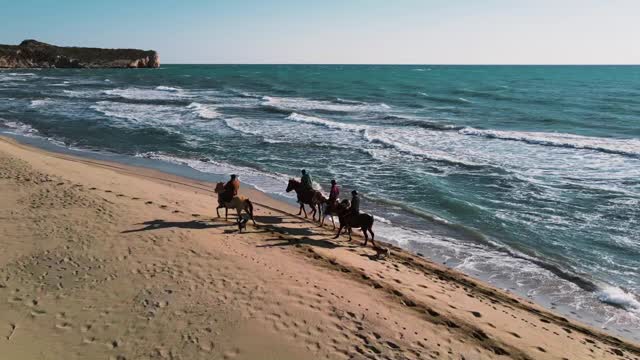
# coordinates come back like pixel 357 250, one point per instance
pixel 35 54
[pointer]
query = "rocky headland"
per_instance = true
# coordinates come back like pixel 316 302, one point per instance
pixel 35 54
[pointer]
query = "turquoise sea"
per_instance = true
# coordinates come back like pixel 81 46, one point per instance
pixel 525 176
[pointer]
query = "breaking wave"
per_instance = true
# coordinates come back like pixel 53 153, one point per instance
pixel 626 147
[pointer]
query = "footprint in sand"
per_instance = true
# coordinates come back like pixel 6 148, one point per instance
pixel 195 215
pixel 163 206
pixel 149 202
pixel 135 198
pixel 64 326
pixel 92 188
pixel 108 191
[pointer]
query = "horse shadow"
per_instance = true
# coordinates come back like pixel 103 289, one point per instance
pixel 162 224
pixel 301 241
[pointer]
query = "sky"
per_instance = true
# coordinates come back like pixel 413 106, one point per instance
pixel 339 31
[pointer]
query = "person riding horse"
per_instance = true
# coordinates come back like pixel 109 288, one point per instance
pixel 231 189
pixel 354 209
pixel 333 193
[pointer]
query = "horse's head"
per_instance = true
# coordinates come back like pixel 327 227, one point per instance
pixel 219 188
pixel 293 184
pixel 344 205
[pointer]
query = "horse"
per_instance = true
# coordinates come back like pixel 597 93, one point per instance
pixel 312 198
pixel 330 210
pixel 238 202
pixel 362 221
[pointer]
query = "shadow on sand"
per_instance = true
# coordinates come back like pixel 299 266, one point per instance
pixel 161 224
pixel 301 241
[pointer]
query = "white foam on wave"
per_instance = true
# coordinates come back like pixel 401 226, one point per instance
pixel 79 93
pixel 630 147
pixel 21 74
pixel 273 183
pixel 304 104
pixel 18 128
pixel 147 94
pixel 40 102
pixel 324 122
pixel 406 143
pixel 620 298
pixel 412 144
pixel 168 88
pixel 141 114
pixel 204 111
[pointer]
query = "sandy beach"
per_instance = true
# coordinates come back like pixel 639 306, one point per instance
pixel 105 261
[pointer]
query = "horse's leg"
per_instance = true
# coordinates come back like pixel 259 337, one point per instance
pixel 339 231
pixel 372 236
pixel 249 206
pixel 217 211
pixel 366 237
pixel 349 231
pixel 303 209
pixel 333 222
pixel 226 213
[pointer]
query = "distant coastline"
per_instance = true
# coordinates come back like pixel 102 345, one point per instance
pixel 34 54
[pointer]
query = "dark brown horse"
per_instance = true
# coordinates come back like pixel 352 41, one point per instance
pixel 362 221
pixel 312 198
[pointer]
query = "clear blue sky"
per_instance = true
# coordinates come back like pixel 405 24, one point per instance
pixel 339 31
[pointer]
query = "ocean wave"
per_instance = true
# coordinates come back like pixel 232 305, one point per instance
pixel 18 128
pixel 617 297
pixel 326 123
pixel 40 102
pixel 204 111
pixel 350 102
pixel 487 94
pixel 304 104
pixel 167 88
pixel 79 93
pixel 627 147
pixel 133 93
pixel 445 100
pixel 382 136
pixel 141 114
pixel 269 182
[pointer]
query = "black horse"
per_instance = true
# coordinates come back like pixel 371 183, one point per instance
pixel 362 221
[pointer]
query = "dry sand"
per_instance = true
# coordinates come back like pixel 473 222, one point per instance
pixel 105 261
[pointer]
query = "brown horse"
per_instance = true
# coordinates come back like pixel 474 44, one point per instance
pixel 238 202
pixel 362 221
pixel 312 198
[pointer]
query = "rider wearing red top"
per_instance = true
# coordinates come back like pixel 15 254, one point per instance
pixel 334 193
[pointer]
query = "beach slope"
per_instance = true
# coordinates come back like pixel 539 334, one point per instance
pixel 101 260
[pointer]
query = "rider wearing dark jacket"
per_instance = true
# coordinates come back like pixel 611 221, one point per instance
pixel 307 183
pixel 355 204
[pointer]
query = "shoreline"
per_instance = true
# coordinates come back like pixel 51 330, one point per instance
pixel 470 316
pixel 431 250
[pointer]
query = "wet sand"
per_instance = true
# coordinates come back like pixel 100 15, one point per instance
pixel 102 260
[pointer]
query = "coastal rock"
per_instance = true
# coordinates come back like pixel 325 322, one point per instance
pixel 35 54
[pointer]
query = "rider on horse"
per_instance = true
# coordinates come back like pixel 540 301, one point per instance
pixel 354 209
pixel 334 192
pixel 231 188
pixel 307 183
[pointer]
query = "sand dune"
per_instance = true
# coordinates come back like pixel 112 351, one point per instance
pixel 102 260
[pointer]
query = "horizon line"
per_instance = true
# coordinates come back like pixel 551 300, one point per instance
pixel 405 64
